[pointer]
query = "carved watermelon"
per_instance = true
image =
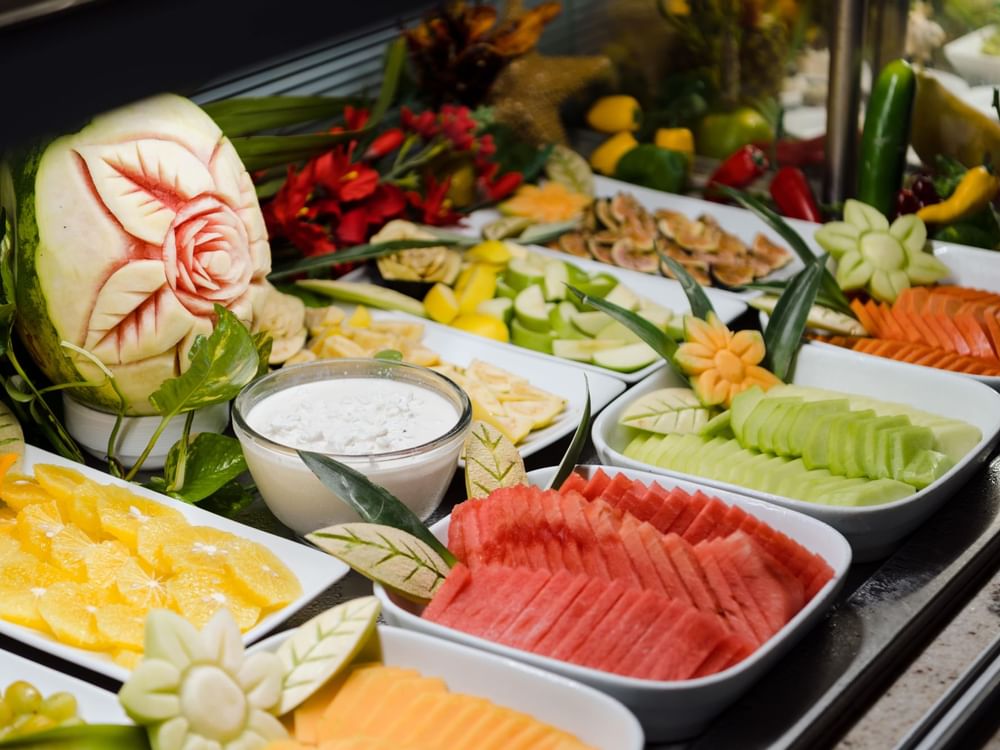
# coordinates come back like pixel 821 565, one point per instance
pixel 128 233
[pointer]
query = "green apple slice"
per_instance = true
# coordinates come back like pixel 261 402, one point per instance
pixel 628 358
pixel 500 308
pixel 536 340
pixel 592 322
pixel 582 350
pixel 555 279
pixel 622 296
pixel 530 309
pixel 522 273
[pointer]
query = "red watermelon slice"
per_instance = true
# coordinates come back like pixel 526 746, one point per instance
pixel 606 601
pixel 645 650
pixel 458 578
pixel 598 482
pixel 536 618
pixel 730 651
pixel 706 522
pixel 732 612
pixel 631 539
pixel 594 599
pixel 604 527
pixel 574 482
pixel 673 584
pixel 682 556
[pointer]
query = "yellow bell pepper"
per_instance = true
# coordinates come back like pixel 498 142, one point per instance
pixel 676 139
pixel 977 188
pixel 605 157
pixel 611 114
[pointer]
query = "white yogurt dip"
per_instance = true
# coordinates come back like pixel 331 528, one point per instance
pixel 353 416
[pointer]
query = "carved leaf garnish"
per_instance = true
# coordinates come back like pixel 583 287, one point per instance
pixel 143 182
pixel 136 315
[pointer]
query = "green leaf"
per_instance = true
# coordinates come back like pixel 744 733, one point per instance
pixel 262 342
pixel 387 555
pixel 229 499
pixel 319 649
pixel 390 355
pixel 373 503
pixel 662 344
pixel 247 115
pixel 220 366
pixel 830 286
pixel 492 461
pixel 212 462
pixel 392 69
pixel 351 255
pixel 539 234
pixel 784 330
pixel 572 454
pixel 310 298
pixel 568 168
pixel 84 735
pixel 700 304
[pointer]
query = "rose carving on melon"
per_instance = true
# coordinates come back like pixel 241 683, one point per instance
pixel 129 233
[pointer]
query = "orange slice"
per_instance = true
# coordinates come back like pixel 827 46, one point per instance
pixel 122 513
pixel 19 491
pixel 81 509
pixel 152 535
pixel 261 577
pixel 70 610
pixel 59 481
pixel 140 588
pixel 69 550
pixel 21 586
pixel 199 594
pixel 199 547
pixel 37 525
pixel 104 560
pixel 126 657
pixel 122 626
pixel 8 521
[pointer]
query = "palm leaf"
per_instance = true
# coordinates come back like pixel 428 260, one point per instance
pixel 700 304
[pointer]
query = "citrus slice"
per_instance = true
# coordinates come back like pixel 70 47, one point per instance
pixel 482 325
pixel 8 521
pixel 140 588
pixel 440 304
pixel 19 491
pixel 59 481
pixel 199 594
pixel 480 285
pixel 70 610
pixel 104 560
pixel 152 535
pixel 37 524
pixel 10 549
pixel 199 547
pixel 121 626
pixel 81 508
pixel 21 585
pixel 261 577
pixel 69 550
pixel 123 512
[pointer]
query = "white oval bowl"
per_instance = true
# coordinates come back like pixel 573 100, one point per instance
pixel 875 530
pixel 673 710
pixel 588 714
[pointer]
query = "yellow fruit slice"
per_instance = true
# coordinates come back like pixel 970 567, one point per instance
pixel 69 550
pixel 126 657
pixel 81 509
pixel 37 525
pixel 123 512
pixel 514 427
pixel 542 413
pixel 360 318
pixel 140 588
pixel 104 560
pixel 491 251
pixel 480 286
pixel 70 610
pixel 482 325
pixel 10 549
pixel 19 491
pixel 58 481
pixel 262 578
pixel 199 547
pixel 152 535
pixel 8 521
pixel 440 304
pixel 122 626
pixel 22 581
pixel 199 594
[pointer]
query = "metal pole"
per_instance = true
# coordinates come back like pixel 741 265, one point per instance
pixel 889 34
pixel 843 100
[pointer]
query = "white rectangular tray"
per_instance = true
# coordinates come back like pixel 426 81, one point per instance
pixel 673 710
pixel 873 531
pixel 315 570
pixel 593 717
pixel 94 705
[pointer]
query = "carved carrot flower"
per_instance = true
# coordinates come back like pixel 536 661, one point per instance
pixel 722 363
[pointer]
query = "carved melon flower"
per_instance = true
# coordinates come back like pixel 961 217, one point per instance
pixel 200 690
pixel 722 363
pixel 147 219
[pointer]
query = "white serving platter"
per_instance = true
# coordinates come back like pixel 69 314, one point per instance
pixel 557 376
pixel 94 705
pixel 669 711
pixel 967 57
pixel 873 531
pixel 316 571
pixel 592 716
pixel 662 291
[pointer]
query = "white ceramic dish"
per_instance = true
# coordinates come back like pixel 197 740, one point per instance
pixel 315 570
pixel 94 705
pixel 557 376
pixel 593 717
pixel 873 531
pixel 670 710
pixel 662 291
pixel 967 57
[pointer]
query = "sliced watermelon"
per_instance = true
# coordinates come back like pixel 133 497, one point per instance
pixel 688 513
pixel 609 542
pixel 579 529
pixel 730 651
pixel 751 610
pixel 705 523
pixel 458 578
pixel 558 537
pixel 612 645
pixel 619 485
pixel 644 650
pixel 596 485
pixel 671 505
pixel 591 598
pixel 574 482
pixel 594 649
pixel 697 640
pixel 523 586
pixel 732 612
pixel 588 621
pixel 536 619
pixel 639 557
pixel 691 573
pixel 673 584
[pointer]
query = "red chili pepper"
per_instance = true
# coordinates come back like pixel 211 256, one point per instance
pixel 385 143
pixel 790 190
pixel 741 168
pixel 792 152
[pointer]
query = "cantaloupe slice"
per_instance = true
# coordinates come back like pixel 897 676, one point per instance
pixel 308 715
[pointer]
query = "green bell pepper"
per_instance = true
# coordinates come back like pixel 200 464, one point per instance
pixel 720 134
pixel 653 167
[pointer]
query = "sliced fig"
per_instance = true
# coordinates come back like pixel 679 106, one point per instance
pixel 709 220
pixel 773 254
pixel 697 269
pixel 602 209
pixel 626 255
pixel 733 274
pixel 599 251
pixel 732 245
pixel 675 251
pixel 589 222
pixel 699 237
pixel 606 237
pixel 574 244
pixel 673 224
pixel 624 206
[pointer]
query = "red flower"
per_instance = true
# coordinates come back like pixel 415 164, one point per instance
pixel 355 118
pixel 352 229
pixel 434 205
pixel 425 124
pixel 341 179
pixel 501 188
pixel 487 147
pixel 385 143
pixel 388 202
pixel 458 126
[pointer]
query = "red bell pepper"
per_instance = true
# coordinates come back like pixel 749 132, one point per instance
pixel 791 192
pixel 741 168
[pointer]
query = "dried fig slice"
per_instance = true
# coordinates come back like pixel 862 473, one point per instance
pixel 733 245
pixel 606 237
pixel 733 274
pixel 699 237
pixel 774 255
pixel 626 255
pixel 624 207
pixel 697 269
pixel 605 218
pixel 672 224
pixel 599 251
pixel 573 243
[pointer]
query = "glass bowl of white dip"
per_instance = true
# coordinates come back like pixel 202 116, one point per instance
pixel 401 425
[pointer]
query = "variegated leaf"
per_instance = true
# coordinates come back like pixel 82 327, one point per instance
pixel 320 648
pixel 143 182
pixel 492 461
pixel 390 556
pixel 136 315
pixel 667 410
